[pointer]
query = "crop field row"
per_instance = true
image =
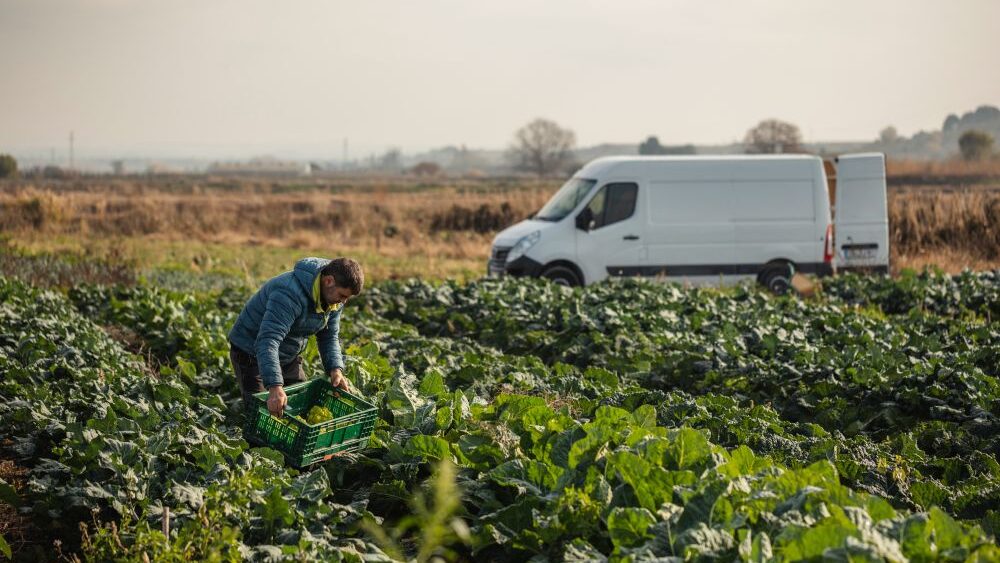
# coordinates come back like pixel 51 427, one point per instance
pixel 626 421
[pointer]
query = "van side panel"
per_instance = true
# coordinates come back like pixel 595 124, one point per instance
pixel 719 219
pixel 730 218
pixel 688 223
pixel 775 219
pixel 776 200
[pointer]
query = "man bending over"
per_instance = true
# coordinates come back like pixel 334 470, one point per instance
pixel 268 338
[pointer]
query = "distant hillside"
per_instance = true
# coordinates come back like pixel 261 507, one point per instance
pixel 939 144
pixel 985 118
pixel 924 145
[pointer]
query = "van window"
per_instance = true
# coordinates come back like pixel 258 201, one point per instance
pixel 596 206
pixel 621 202
pixel 565 200
pixel 613 203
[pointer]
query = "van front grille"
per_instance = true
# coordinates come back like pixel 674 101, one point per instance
pixel 500 253
pixel 498 260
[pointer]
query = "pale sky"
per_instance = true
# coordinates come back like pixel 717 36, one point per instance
pixel 245 77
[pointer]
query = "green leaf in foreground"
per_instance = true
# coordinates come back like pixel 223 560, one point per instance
pixel 8 494
pixel 428 447
pixel 629 526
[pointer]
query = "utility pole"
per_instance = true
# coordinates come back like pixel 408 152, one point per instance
pixel 72 159
pixel 343 158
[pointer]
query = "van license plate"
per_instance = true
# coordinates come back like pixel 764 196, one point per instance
pixel 860 253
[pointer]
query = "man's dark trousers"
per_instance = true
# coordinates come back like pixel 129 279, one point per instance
pixel 248 373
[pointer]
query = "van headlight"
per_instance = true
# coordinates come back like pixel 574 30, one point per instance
pixel 522 246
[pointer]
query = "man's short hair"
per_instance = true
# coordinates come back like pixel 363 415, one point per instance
pixel 346 273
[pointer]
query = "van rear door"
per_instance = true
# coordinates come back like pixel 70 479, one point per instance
pixel 861 223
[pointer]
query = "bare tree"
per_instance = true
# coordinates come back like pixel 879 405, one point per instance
pixel 773 136
pixel 542 147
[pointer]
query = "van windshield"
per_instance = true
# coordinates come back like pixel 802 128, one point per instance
pixel 566 199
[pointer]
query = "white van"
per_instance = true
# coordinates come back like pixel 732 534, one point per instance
pixel 701 219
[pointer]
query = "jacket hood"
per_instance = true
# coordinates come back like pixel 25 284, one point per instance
pixel 305 272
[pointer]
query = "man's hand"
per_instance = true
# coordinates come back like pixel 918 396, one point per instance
pixel 276 400
pixel 338 381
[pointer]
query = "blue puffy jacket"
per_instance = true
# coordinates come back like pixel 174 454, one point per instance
pixel 278 320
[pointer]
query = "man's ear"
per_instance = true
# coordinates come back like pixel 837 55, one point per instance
pixel 328 281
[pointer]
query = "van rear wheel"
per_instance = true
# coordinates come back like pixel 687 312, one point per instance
pixel 777 278
pixel 561 275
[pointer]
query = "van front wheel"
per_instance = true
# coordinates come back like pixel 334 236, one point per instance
pixel 561 275
pixel 777 278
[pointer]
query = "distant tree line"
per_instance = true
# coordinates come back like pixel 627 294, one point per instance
pixel 972 135
pixel 545 148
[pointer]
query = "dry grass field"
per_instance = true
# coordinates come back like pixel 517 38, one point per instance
pixel 406 226
pixel 397 227
pixel 943 168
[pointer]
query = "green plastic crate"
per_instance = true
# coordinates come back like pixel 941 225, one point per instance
pixel 304 444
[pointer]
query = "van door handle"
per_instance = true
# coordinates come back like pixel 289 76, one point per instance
pixel 631 237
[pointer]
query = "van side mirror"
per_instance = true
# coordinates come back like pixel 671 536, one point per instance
pixel 585 220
